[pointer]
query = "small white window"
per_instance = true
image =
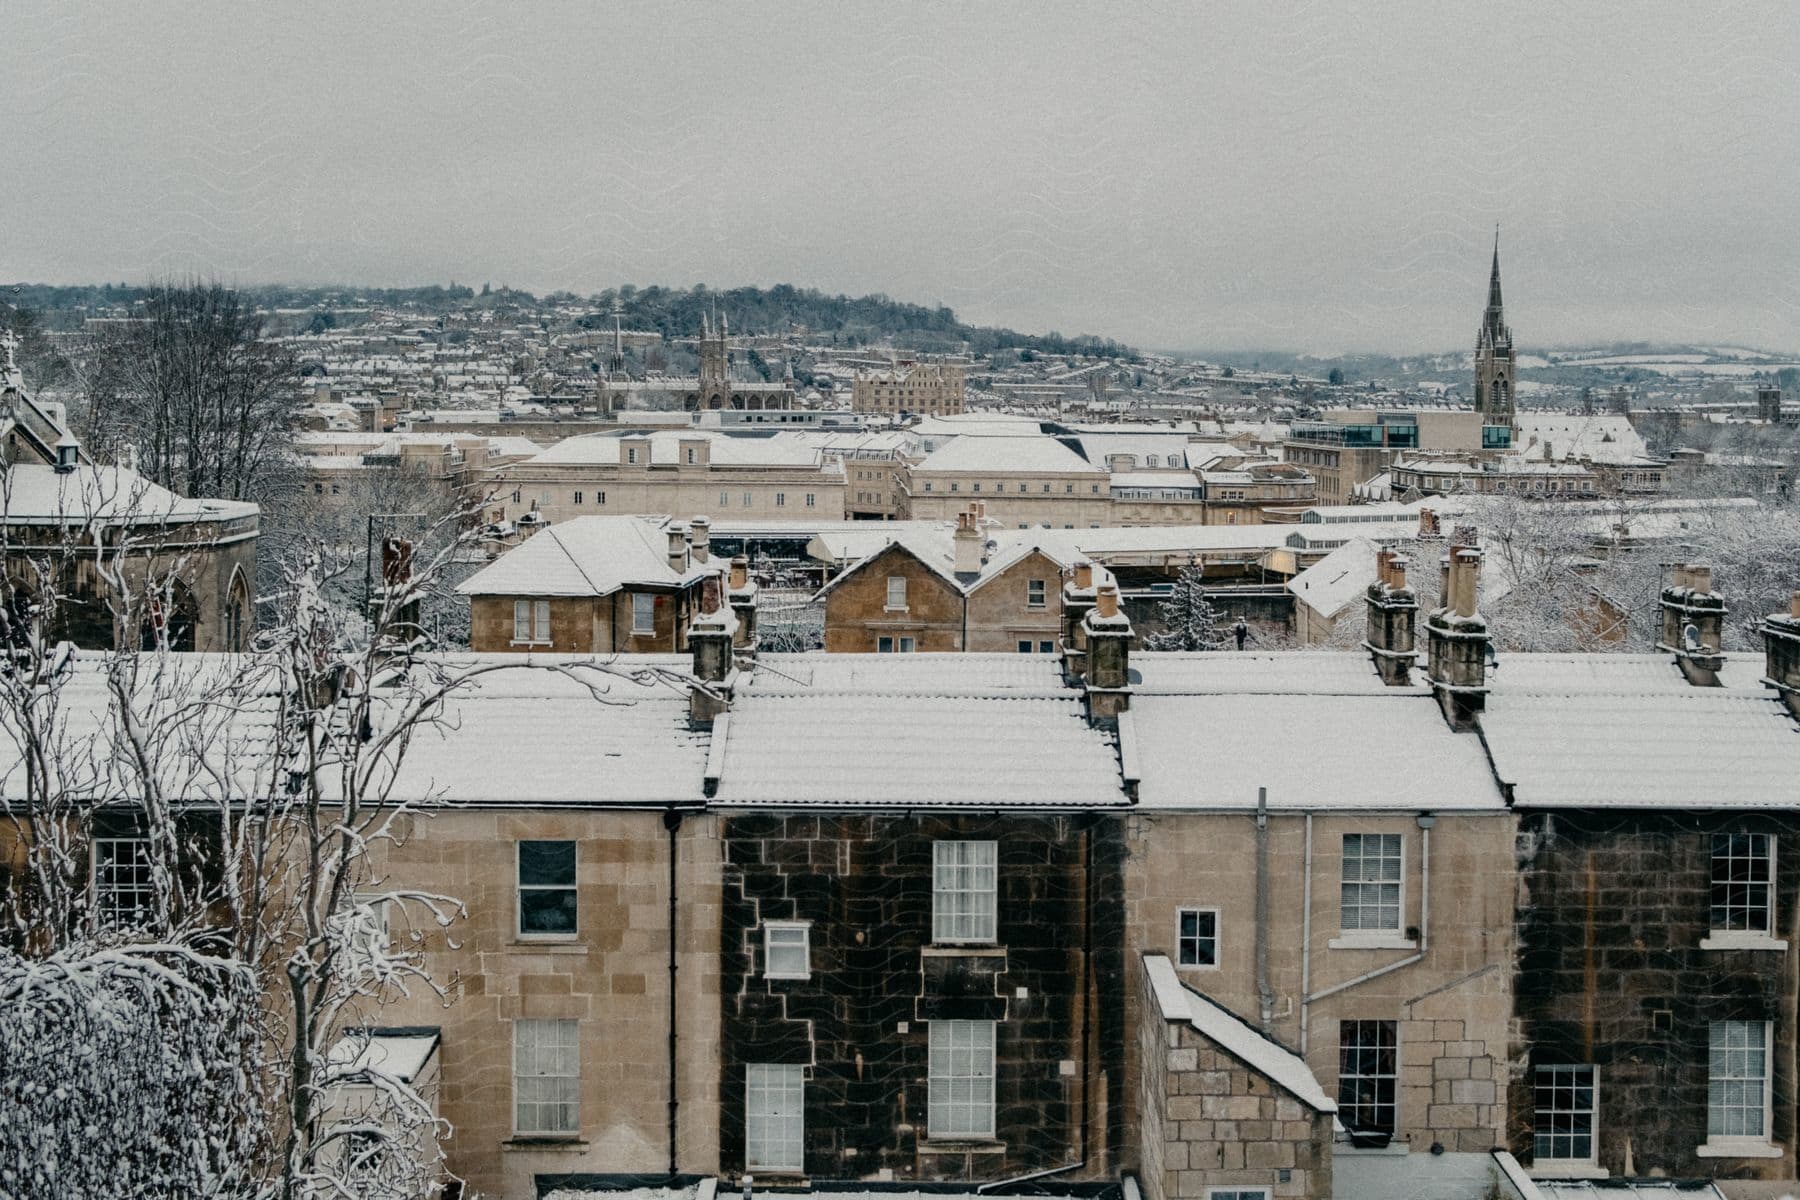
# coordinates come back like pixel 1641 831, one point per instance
pixel 1046 647
pixel 1237 1193
pixel 643 613
pixel 124 884
pixel 724 499
pixel 775 1117
pixel 630 454
pixel 1743 882
pixel 896 592
pixel 1025 646
pixel 961 1077
pixel 780 499
pixel 906 645
pixel 578 498
pixel 786 952
pixel 531 621
pixel 599 497
pixel 1197 937
pixel 965 878
pixel 1565 1100
pixel 546 1077
pixel 1370 898
pixel 1737 1082
pixel 690 455
pixel 747 500
pixel 809 499
pixel 1036 593
pixel 884 645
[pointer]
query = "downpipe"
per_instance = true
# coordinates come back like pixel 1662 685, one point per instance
pixel 1264 995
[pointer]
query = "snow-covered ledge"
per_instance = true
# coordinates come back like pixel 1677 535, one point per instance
pixel 1737 1148
pixel 1740 939
pixel 1364 939
pixel 1552 1168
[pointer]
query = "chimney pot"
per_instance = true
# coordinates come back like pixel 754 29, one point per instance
pixel 740 572
pixel 678 547
pixel 1107 600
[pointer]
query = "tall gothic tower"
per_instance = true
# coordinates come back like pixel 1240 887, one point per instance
pixel 1494 356
pixel 715 365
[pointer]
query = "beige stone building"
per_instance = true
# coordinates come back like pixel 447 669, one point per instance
pixel 934 389
pixel 671 472
pixel 1025 481
pixel 189 565
pixel 910 597
pixel 593 585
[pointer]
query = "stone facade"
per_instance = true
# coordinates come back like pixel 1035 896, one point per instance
pixel 1052 981
pixel 585 624
pixel 1451 1009
pixel 1613 909
pixel 1000 613
pixel 613 976
pixel 929 389
pixel 1206 1120
pixel 858 615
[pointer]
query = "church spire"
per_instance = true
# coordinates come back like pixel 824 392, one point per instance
pixel 1494 280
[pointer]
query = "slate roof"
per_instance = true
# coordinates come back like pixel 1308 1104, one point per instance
pixel 588 556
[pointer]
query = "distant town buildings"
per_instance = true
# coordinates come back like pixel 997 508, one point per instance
pixel 932 389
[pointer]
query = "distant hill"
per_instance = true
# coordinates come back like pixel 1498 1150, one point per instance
pixel 675 312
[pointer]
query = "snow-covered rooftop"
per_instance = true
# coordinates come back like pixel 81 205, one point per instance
pixel 1332 583
pixel 588 556
pixel 726 450
pixel 1379 752
pixel 1038 454
pixel 33 494
pixel 1271 672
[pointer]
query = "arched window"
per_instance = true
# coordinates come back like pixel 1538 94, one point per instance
pixel 237 614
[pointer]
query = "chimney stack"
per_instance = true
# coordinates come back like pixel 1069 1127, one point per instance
pixel 1689 600
pixel 1428 524
pixel 1781 647
pixel 1393 610
pixel 741 593
pixel 678 548
pixel 1109 656
pixel 1077 602
pixel 1457 637
pixel 700 538
pixel 970 540
pixel 710 640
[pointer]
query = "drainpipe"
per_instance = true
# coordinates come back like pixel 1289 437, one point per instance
pixel 1265 998
pixel 672 823
pixel 1305 932
pixel 1089 990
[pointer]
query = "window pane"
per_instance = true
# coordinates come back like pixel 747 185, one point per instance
pixel 1564 1116
pixel 546 1077
pixel 961 1101
pixel 1742 870
pixel 1367 1075
pixel 774 1117
pixel 1737 1084
pixel 548 863
pixel 1369 896
pixel 547 910
pixel 124 889
pixel 786 950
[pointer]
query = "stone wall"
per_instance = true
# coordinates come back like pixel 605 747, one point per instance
pixel 1052 982
pixel 856 612
pixel 1451 1010
pixel 583 624
pixel 613 977
pixel 1612 909
pixel 1207 1121
pixel 999 617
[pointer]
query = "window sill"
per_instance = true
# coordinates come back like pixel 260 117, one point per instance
pixel 1744 1148
pixel 1372 941
pixel 530 643
pixel 553 1143
pixel 549 945
pixel 1556 1169
pixel 972 950
pixel 1738 940
pixel 1394 1149
pixel 1211 966
pixel 972 1145
pixel 782 977
pixel 891 608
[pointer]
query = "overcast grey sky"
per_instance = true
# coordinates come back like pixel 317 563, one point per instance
pixel 1317 176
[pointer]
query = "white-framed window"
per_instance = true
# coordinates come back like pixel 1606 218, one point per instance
pixel 724 499
pixel 891 645
pixel 1737 1081
pixel 1046 647
pixel 780 499
pixel 810 497
pixel 643 613
pixel 961 1075
pixel 546 1077
pixel 531 621
pixel 1370 897
pixel 775 1117
pixel 577 498
pixel 599 497
pixel 964 888
pixel 1024 645
pixel 547 903
pixel 1743 883
pixel 1368 1068
pixel 1237 1193
pixel 692 455
pixel 787 952
pixel 896 592
pixel 124 884
pixel 1197 937
pixel 747 500
pixel 1036 593
pixel 630 455
pixel 1565 1103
